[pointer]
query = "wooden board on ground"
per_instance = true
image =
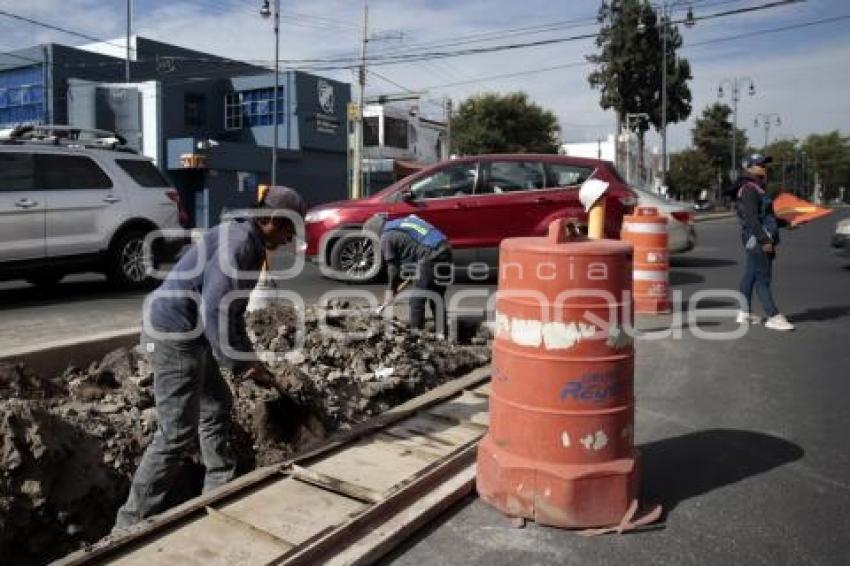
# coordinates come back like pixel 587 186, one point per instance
pixel 374 466
pixel 207 541
pixel 391 533
pixel 293 510
pixel 467 407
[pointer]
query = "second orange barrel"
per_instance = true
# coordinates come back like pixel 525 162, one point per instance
pixel 646 230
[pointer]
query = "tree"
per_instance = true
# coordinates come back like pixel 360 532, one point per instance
pixel 780 175
pixel 690 173
pixel 712 136
pixel 629 65
pixel 493 123
pixel 827 162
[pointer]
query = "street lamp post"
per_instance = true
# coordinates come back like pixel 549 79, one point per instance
pixel 630 119
pixel 665 25
pixel 768 119
pixel 735 86
pixel 266 12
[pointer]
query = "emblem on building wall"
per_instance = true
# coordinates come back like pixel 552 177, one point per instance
pixel 326 96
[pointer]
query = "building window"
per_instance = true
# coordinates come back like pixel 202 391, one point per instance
pixel 21 95
pixel 250 108
pixel 395 132
pixel 370 131
pixel 194 110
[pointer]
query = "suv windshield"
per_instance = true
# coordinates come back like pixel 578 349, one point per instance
pixel 143 172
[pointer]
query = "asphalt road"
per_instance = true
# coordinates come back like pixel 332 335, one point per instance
pixel 745 442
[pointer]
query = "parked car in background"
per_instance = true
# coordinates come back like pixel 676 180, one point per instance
pixel 73 204
pixel 703 206
pixel 841 237
pixel 476 201
pixel 680 226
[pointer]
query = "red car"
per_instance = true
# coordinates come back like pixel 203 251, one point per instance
pixel 476 201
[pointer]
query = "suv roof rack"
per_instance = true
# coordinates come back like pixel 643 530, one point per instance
pixel 55 134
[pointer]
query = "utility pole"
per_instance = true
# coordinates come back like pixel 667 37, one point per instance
pixel 448 127
pixel 129 31
pixel 664 23
pixel 630 119
pixel 266 12
pixel 735 85
pixel 357 166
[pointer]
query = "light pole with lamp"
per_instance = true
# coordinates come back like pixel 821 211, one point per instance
pixel 266 12
pixel 630 119
pixel 735 86
pixel 665 26
pixel 771 118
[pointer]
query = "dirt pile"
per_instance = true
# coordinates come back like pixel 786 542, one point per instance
pixel 69 444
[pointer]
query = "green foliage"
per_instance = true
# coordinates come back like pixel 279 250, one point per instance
pixel 690 173
pixel 629 64
pixel 712 136
pixel 828 155
pixel 493 123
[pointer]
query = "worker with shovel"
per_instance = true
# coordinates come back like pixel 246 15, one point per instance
pixel 192 325
pixel 410 245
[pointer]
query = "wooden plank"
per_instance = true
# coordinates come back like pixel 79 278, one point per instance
pixel 323 548
pixel 406 447
pixel 467 407
pixel 440 431
pixel 190 509
pixel 293 510
pixel 207 541
pixel 394 531
pixel 336 485
pixel 252 529
pixel 378 468
pixel 450 418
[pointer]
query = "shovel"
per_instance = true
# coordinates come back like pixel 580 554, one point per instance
pixel 401 287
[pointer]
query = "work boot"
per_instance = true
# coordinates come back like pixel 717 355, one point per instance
pixel 778 322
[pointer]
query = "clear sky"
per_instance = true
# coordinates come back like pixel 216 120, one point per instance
pixel 803 74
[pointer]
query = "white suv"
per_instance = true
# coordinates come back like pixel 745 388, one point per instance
pixel 68 206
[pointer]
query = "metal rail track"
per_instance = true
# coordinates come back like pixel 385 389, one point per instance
pixel 348 501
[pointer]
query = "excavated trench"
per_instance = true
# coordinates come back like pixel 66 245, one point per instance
pixel 69 444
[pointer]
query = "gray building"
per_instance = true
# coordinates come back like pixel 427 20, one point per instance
pixel 207 121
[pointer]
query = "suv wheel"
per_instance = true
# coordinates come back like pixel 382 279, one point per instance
pixel 353 259
pixel 126 261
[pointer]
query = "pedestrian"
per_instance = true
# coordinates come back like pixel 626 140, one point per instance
pixel 412 245
pixel 191 328
pixel 760 237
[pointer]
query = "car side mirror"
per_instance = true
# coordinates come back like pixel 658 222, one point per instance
pixel 407 195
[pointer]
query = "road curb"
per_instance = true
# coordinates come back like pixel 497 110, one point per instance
pixel 51 358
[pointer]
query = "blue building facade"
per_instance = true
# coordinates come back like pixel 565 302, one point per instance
pixel 208 122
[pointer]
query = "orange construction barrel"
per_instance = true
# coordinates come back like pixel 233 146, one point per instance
pixel 560 447
pixel 646 230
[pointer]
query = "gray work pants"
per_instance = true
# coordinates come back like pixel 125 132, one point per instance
pixel 192 400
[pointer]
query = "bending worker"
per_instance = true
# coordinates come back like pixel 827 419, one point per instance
pixel 192 326
pixel 760 236
pixel 410 244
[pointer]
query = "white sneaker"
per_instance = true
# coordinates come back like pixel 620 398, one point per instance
pixel 747 318
pixel 778 322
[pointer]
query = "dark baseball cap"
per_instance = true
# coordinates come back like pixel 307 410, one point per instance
pixel 756 160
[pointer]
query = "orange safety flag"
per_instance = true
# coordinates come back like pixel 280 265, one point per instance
pixel 796 210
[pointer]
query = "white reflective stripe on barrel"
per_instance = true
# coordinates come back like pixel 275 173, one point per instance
pixel 647 275
pixel 645 227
